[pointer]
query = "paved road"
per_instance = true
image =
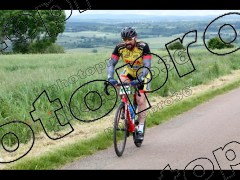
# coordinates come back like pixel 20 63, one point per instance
pixel 194 134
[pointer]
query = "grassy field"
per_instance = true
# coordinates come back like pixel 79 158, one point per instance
pixel 24 77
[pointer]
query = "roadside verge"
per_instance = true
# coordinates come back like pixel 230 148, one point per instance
pixel 69 152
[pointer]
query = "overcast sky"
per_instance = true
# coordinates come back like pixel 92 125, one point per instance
pixel 156 12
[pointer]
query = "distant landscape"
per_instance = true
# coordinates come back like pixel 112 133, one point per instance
pixel 90 33
pixel 130 17
pixel 102 32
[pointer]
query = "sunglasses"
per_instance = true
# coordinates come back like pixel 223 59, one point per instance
pixel 128 39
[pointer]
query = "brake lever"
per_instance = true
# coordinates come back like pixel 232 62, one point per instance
pixel 105 88
pixel 138 91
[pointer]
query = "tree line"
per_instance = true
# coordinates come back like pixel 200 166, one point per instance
pixel 27 31
pixel 146 28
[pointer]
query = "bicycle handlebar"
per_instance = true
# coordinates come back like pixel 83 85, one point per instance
pixel 106 84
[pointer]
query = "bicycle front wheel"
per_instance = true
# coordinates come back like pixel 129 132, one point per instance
pixel 120 130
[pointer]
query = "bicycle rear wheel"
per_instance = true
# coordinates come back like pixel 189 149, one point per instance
pixel 120 131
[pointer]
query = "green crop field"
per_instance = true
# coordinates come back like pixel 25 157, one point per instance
pixel 24 77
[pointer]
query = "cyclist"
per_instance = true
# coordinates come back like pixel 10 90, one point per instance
pixel 130 49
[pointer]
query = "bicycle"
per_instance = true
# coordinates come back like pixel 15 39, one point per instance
pixel 123 127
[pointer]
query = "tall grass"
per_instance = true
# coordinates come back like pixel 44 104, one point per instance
pixel 24 77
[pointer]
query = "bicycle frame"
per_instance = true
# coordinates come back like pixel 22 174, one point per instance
pixel 125 100
pixel 131 127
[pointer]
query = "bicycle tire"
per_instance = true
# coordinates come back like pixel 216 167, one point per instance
pixel 118 128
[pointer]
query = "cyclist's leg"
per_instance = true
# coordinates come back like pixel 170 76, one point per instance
pixel 124 77
pixel 142 100
pixel 141 106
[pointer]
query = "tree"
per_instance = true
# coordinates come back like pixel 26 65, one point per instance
pixel 4 18
pixel 94 50
pixel 176 45
pixel 216 43
pixel 36 38
pixel 54 49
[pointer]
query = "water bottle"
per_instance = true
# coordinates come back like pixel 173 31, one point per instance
pixel 132 117
pixel 131 111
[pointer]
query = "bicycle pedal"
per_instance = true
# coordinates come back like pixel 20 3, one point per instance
pixel 138 141
pixel 136 122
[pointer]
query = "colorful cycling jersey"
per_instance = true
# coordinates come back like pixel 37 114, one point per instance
pixel 129 56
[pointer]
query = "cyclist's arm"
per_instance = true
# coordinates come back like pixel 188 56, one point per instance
pixel 147 61
pixel 112 63
pixel 110 69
